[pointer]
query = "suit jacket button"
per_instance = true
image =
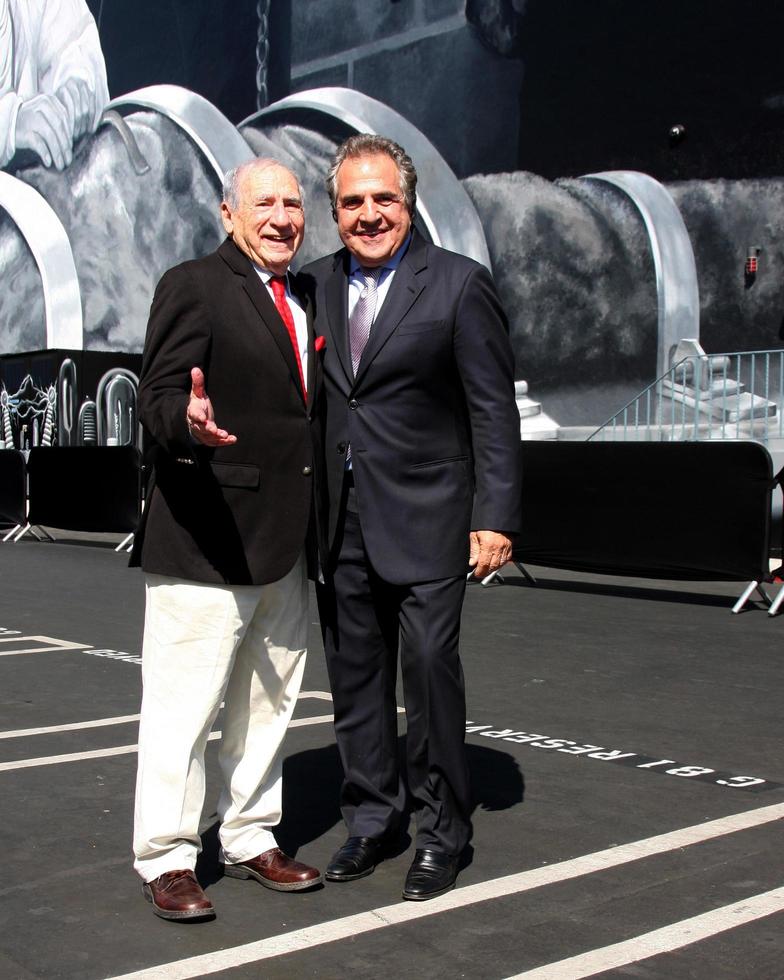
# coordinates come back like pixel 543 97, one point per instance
pixel 341 447
pixel 307 470
pixel 353 404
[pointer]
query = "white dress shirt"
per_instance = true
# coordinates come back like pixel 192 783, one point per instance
pixel 356 281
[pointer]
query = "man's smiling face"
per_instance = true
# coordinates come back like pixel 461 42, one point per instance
pixel 268 222
pixel 373 219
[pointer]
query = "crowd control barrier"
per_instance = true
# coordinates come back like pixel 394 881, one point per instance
pixel 85 488
pixel 688 510
pixel 13 500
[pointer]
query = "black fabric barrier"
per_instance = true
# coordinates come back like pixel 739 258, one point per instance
pixel 12 488
pixel 85 488
pixel 694 510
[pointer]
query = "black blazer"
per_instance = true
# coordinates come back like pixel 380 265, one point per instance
pixel 237 514
pixel 431 415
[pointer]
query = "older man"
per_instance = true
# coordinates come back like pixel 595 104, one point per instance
pixel 222 542
pixel 423 480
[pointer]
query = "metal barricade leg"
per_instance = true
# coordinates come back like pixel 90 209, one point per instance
pixel 497 577
pixel 125 543
pixel 34 530
pixel 22 533
pixel 12 532
pixel 488 579
pixel 747 595
pixel 774 606
pixel 525 573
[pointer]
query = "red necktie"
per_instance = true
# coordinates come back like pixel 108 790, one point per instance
pixel 278 284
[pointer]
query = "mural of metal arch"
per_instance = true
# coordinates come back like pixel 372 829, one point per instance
pixel 442 203
pixel 48 241
pixel 673 259
pixel 115 408
pixel 216 137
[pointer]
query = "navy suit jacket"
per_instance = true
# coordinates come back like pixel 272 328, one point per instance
pixel 234 514
pixel 430 416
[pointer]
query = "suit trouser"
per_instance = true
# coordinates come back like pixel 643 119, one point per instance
pixel 203 644
pixel 365 621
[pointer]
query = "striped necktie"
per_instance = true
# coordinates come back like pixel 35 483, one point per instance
pixel 362 315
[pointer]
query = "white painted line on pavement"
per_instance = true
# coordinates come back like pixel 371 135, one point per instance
pixel 354 925
pixel 316 720
pixel 75 726
pixel 123 720
pixel 54 646
pixel 54 760
pixel 664 940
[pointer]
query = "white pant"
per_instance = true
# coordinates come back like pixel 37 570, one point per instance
pixel 203 644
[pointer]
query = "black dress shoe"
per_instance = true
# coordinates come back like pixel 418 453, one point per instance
pixel 355 859
pixel 431 873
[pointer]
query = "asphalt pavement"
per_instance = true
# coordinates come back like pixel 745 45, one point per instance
pixel 625 749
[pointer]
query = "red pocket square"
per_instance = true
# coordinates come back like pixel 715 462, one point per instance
pixel 320 343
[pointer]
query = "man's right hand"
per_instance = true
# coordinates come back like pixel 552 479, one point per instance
pixel 79 102
pixel 201 418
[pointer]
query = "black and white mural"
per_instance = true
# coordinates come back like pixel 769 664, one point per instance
pixel 52 80
pixel 118 119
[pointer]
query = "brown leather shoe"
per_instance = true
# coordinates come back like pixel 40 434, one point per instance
pixel 177 895
pixel 276 870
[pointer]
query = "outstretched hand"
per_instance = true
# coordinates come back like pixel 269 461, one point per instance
pixel 489 551
pixel 201 418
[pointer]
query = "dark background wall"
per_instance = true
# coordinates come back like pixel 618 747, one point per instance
pixel 426 60
pixel 208 46
pixel 557 87
pixel 606 80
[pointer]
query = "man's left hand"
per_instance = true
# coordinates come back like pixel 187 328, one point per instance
pixel 201 418
pixel 489 551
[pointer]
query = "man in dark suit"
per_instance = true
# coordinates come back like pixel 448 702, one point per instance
pixel 222 542
pixel 423 480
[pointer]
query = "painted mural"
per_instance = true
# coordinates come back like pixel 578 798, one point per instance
pixel 52 79
pixel 113 142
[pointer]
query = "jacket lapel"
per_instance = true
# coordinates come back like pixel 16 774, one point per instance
pixel 261 299
pixel 313 374
pixel 336 291
pixel 407 284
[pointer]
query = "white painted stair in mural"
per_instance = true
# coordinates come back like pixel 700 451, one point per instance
pixel 535 423
pixel 706 396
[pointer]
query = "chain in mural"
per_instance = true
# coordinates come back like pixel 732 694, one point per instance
pixel 262 54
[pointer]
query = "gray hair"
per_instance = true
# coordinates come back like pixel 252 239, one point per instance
pixel 369 144
pixel 232 178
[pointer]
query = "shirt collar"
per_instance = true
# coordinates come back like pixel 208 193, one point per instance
pixel 265 275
